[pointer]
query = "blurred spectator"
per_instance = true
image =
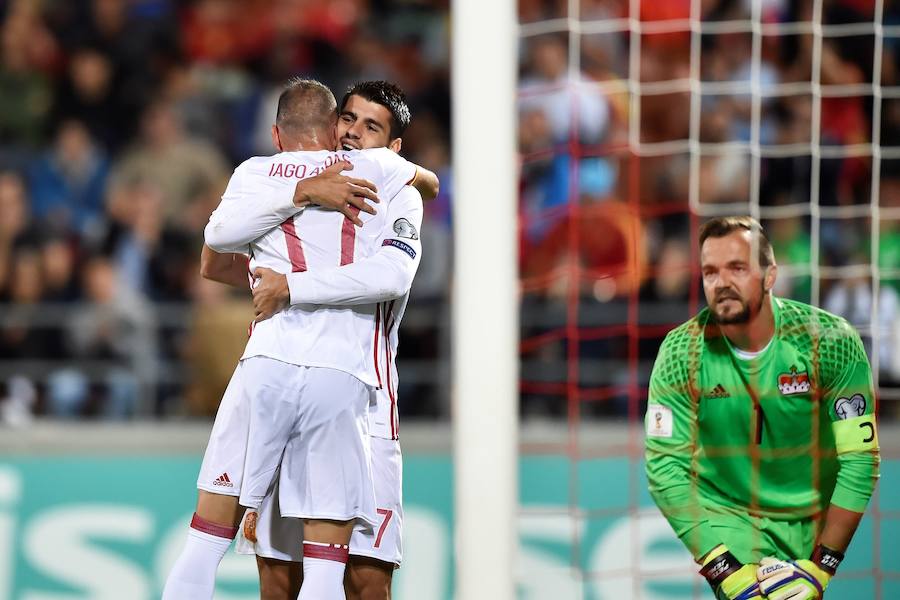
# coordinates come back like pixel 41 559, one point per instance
pixel 150 105
pixel 87 94
pixel 673 274
pixel 215 341
pixel 26 98
pixel 112 326
pixel 603 266
pixel 793 252
pixel 25 335
pixel 68 183
pixel 58 268
pixel 559 110
pixel 151 258
pixel 852 298
pixel 548 87
pixel 182 168
pixel 724 177
pixel 14 222
pixel 153 102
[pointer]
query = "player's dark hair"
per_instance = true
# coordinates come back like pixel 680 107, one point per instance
pixel 305 107
pixel 387 95
pixel 722 226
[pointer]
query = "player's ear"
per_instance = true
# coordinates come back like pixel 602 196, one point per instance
pixel 771 276
pixel 395 144
pixel 276 138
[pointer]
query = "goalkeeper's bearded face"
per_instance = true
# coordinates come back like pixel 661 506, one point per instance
pixel 734 284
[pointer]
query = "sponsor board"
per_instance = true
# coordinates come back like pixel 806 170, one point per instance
pixel 88 527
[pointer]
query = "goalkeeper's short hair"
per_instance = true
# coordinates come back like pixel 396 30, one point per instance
pixel 722 226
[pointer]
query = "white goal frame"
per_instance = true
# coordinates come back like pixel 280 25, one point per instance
pixel 485 302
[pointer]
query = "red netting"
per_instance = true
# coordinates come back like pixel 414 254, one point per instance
pixel 608 235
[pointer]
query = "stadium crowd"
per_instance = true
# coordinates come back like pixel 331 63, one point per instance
pixel 121 120
pixel 580 178
pixel 120 123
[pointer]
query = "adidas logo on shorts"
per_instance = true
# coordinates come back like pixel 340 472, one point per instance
pixel 223 480
pixel 718 392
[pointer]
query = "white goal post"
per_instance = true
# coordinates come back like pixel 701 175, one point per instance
pixel 485 298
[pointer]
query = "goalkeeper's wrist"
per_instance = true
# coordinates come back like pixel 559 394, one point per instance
pixel 718 564
pixel 826 559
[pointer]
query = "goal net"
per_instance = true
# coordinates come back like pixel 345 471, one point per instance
pixel 637 120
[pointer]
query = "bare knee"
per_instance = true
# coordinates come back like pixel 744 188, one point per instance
pixel 219 508
pixel 368 579
pixel 278 579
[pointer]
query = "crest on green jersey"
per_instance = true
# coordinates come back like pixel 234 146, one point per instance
pixel 794 382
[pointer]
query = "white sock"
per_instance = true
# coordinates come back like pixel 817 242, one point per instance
pixel 323 571
pixel 193 576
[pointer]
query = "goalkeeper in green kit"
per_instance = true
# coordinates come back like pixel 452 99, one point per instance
pixel 761 442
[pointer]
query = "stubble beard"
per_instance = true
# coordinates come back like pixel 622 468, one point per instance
pixel 743 315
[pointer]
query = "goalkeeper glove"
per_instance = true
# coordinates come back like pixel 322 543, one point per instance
pixel 800 579
pixel 729 578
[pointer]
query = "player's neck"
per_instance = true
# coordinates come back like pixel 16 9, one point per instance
pixel 305 143
pixel 756 333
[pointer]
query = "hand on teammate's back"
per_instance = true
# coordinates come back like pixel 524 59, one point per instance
pixel 270 293
pixel 329 189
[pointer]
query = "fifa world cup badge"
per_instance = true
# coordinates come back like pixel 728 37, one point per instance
pixel 659 421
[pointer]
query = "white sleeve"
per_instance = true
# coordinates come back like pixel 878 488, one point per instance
pixel 385 275
pixel 396 172
pixel 247 213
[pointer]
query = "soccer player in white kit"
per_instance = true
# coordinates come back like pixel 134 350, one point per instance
pixel 307 374
pixel 371 114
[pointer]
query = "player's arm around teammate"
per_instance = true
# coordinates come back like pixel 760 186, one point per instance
pixel 386 275
pixel 371 115
pixel 308 118
pixel 227 235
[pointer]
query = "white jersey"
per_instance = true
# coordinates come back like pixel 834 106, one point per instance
pixel 257 217
pixel 384 419
pixel 391 268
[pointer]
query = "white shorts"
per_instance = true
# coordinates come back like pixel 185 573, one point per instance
pixel 320 414
pixel 281 538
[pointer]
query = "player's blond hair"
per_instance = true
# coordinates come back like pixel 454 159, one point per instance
pixel 305 106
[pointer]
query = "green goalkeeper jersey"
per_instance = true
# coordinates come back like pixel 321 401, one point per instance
pixel 780 435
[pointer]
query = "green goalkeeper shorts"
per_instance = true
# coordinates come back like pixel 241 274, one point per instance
pixel 751 538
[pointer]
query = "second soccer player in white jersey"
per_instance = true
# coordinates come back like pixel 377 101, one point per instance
pixel 371 114
pixel 307 375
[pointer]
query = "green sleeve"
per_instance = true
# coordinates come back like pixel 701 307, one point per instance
pixel 850 400
pixel 670 443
